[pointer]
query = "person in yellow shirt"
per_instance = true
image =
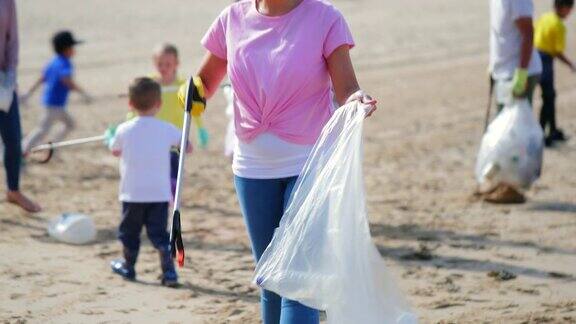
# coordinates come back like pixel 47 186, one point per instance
pixel 166 62
pixel 550 41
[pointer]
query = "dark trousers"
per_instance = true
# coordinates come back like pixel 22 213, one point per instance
pixel 154 216
pixel 548 111
pixel 11 133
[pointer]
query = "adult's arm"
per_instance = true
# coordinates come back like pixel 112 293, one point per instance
pixel 344 78
pixel 342 74
pixel 212 71
pixel 526 28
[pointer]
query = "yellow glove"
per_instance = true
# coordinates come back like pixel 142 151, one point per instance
pixel 197 100
pixel 519 82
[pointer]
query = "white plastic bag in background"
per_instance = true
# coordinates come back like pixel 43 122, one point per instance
pixel 322 254
pixel 512 148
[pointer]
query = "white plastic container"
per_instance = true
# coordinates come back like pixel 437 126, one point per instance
pixel 72 228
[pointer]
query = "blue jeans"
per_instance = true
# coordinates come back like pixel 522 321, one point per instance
pixel 262 203
pixel 12 137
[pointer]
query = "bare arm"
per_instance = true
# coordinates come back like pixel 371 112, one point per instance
pixel 566 61
pixel 212 71
pixel 342 74
pixel 344 79
pixel 526 28
pixel 33 89
pixel 69 82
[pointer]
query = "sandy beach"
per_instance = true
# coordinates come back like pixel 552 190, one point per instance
pixel 425 62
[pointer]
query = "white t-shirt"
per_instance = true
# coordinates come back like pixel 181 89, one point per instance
pixel 145 143
pixel 505 38
pixel 269 157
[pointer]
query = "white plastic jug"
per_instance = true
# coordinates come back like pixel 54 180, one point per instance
pixel 72 228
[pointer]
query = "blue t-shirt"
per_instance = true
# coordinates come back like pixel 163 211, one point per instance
pixel 55 91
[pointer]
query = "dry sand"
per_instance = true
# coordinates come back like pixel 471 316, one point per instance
pixel 424 60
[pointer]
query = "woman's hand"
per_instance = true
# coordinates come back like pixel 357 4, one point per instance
pixel 365 99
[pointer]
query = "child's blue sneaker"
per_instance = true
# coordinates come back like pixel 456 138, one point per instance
pixel 169 275
pixel 170 279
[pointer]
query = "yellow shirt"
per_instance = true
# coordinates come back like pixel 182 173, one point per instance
pixel 170 111
pixel 550 34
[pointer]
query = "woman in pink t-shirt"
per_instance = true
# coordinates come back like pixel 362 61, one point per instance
pixel 287 60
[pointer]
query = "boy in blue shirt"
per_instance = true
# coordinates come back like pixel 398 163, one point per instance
pixel 58 81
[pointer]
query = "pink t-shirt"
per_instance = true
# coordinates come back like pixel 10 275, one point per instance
pixel 277 67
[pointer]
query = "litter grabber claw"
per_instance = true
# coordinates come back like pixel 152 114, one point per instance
pixel 48 149
pixel 176 243
pixel 194 104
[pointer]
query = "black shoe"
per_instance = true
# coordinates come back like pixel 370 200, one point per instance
pixel 557 135
pixel 548 141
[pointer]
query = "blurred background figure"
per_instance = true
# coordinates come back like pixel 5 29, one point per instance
pixel 514 65
pixel 10 116
pixel 58 81
pixel 550 40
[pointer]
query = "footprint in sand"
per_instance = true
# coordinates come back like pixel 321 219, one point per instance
pixel 16 296
pixel 91 312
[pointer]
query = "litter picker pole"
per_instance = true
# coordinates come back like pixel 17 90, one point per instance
pixel 489 105
pixel 51 146
pixel 193 96
pixel 478 191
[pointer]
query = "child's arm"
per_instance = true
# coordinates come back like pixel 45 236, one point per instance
pixel 177 137
pixel 115 142
pixel 24 98
pixel 69 82
pixel 189 148
pixel 566 61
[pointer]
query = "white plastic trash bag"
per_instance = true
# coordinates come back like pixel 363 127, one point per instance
pixel 512 148
pixel 322 254
pixel 72 228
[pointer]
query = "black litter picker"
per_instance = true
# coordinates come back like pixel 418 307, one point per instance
pixel 192 95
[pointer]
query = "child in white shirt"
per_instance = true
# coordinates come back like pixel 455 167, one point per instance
pixel 143 145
